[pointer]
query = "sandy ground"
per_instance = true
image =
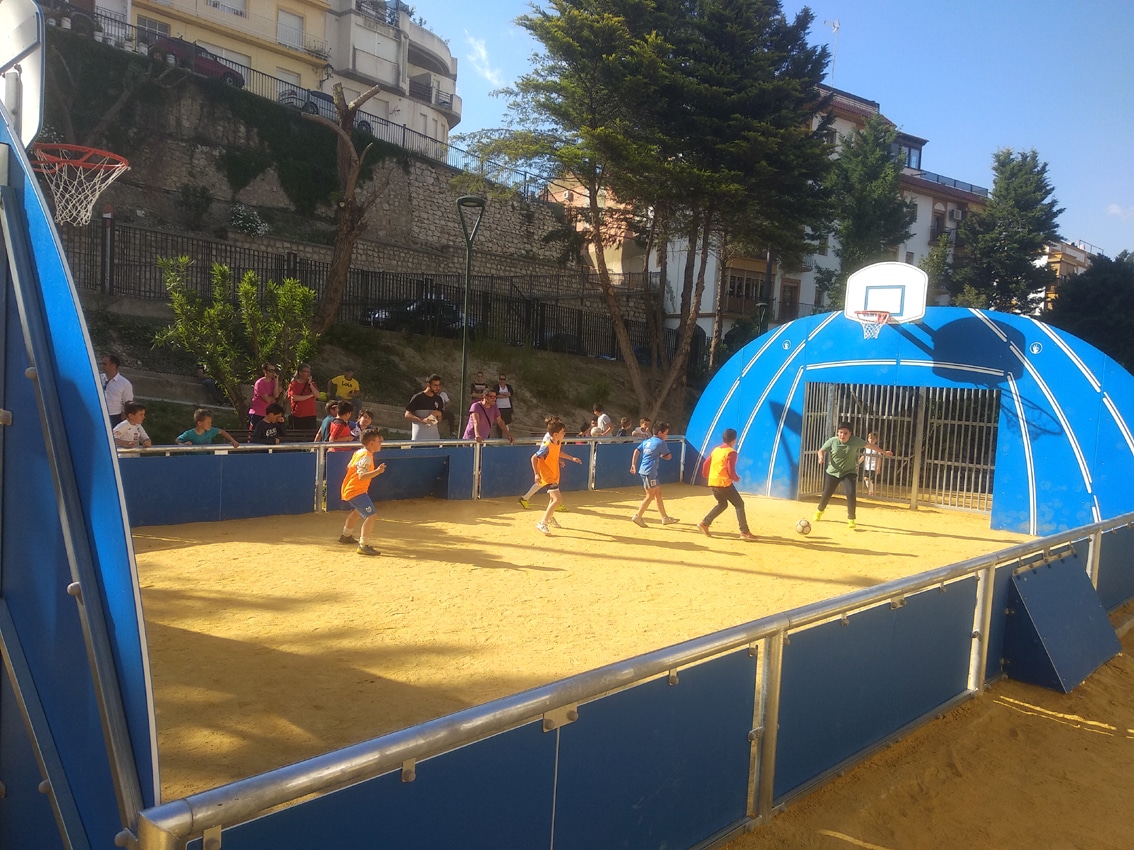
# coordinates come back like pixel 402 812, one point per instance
pixel 271 642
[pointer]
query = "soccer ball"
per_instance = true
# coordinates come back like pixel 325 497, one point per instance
pixel 803 527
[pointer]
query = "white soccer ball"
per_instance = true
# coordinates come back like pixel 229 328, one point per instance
pixel 803 527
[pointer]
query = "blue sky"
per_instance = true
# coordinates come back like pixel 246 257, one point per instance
pixel 971 76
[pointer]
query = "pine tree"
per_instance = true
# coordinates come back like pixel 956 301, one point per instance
pixel 1098 306
pixel 1000 249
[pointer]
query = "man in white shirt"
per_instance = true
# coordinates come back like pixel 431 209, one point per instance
pixel 116 389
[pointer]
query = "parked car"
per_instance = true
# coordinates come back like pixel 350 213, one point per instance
pixel 190 55
pixel 320 103
pixel 561 343
pixel 427 316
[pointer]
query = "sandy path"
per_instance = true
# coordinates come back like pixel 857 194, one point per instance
pixel 271 642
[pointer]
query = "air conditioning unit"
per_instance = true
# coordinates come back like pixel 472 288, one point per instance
pixel 956 214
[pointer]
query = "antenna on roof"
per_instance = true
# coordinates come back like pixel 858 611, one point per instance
pixel 834 25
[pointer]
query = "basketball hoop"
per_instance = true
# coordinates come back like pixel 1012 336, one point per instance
pixel 77 175
pixel 871 321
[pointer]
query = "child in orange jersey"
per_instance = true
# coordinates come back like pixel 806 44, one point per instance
pixel 719 469
pixel 545 466
pixel 356 491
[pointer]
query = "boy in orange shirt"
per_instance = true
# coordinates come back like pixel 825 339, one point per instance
pixel 720 470
pixel 545 466
pixel 356 491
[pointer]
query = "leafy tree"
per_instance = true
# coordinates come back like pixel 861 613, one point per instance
pixel 691 131
pixel 1000 245
pixel 233 333
pixel 1098 306
pixel 871 216
pixel 936 264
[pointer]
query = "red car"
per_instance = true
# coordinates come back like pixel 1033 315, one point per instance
pixel 196 58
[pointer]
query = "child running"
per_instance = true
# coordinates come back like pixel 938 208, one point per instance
pixel 719 469
pixel 839 458
pixel 546 463
pixel 356 491
pixel 652 452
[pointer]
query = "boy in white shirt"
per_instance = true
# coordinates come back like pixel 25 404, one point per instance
pixel 129 433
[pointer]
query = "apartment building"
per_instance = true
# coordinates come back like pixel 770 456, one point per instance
pixel 313 44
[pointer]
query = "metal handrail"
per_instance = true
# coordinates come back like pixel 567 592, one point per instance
pixel 162 827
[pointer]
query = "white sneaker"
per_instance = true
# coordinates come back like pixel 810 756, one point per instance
pixel 669 520
pixel 638 521
pixel 553 522
pixel 542 526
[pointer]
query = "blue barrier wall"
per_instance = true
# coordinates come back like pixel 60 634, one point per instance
pixel 612 465
pixel 1116 567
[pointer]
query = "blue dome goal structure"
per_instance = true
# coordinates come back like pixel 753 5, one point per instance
pixel 1061 452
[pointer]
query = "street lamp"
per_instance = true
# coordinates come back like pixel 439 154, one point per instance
pixel 471 209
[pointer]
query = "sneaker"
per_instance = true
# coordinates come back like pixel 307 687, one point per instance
pixel 818 516
pixel 638 521
pixel 367 549
pixel 747 535
pixel 669 520
pixel 542 526
pixel 704 529
pixel 344 538
pixel 523 502
pixel 850 524
pixel 553 522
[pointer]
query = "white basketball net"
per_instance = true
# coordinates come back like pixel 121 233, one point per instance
pixel 77 176
pixel 872 322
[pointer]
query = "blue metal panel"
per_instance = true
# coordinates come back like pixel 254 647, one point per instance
pixel 410 474
pixel 460 471
pixel 170 490
pixel 1065 454
pixel 63 462
pixel 612 466
pixel 253 485
pixel 994 658
pixel 493 794
pixel 1116 567
pixel 848 687
pixel 658 765
pixel 1057 631
pixel 506 471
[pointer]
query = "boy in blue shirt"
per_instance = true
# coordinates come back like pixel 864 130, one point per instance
pixel 203 433
pixel 652 451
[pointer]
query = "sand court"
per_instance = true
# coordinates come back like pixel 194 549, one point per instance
pixel 271 642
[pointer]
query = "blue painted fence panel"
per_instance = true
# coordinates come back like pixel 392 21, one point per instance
pixel 1116 567
pixel 848 687
pixel 506 471
pixel 496 793
pixel 658 765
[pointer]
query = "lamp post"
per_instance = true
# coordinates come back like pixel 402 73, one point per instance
pixel 470 208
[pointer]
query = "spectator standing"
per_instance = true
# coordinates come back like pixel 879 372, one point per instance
pixel 424 411
pixel 604 426
pixel 129 433
pixel 270 430
pixel 265 391
pixel 624 428
pixel 340 430
pixel 332 410
pixel 302 393
pixel 345 386
pixel 115 388
pixel 504 401
pixel 478 387
pixel 203 433
pixel 483 414
pixel 643 430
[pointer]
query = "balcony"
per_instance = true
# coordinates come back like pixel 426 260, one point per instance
pixel 739 306
pixel 234 18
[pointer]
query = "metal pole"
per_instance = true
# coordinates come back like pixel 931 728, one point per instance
pixel 468 206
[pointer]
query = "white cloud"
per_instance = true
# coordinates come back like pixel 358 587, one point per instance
pixel 480 62
pixel 1124 213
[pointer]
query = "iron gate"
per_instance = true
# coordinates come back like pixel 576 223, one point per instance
pixel 943 440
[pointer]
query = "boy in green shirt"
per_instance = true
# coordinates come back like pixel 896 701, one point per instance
pixel 839 455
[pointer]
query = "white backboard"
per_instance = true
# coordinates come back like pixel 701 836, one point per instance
pixel 21 65
pixel 897 288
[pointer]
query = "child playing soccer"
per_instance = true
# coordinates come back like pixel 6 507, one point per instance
pixel 356 491
pixel 202 433
pixel 652 452
pixel 546 463
pixel 839 457
pixel 719 469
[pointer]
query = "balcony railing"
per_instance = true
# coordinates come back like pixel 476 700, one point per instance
pixel 954 184
pixel 257 25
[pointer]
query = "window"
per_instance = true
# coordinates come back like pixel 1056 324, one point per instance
pixel 150 27
pixel 908 155
pixel 909 258
pixel 746 284
pixel 231 7
pixel 289 30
